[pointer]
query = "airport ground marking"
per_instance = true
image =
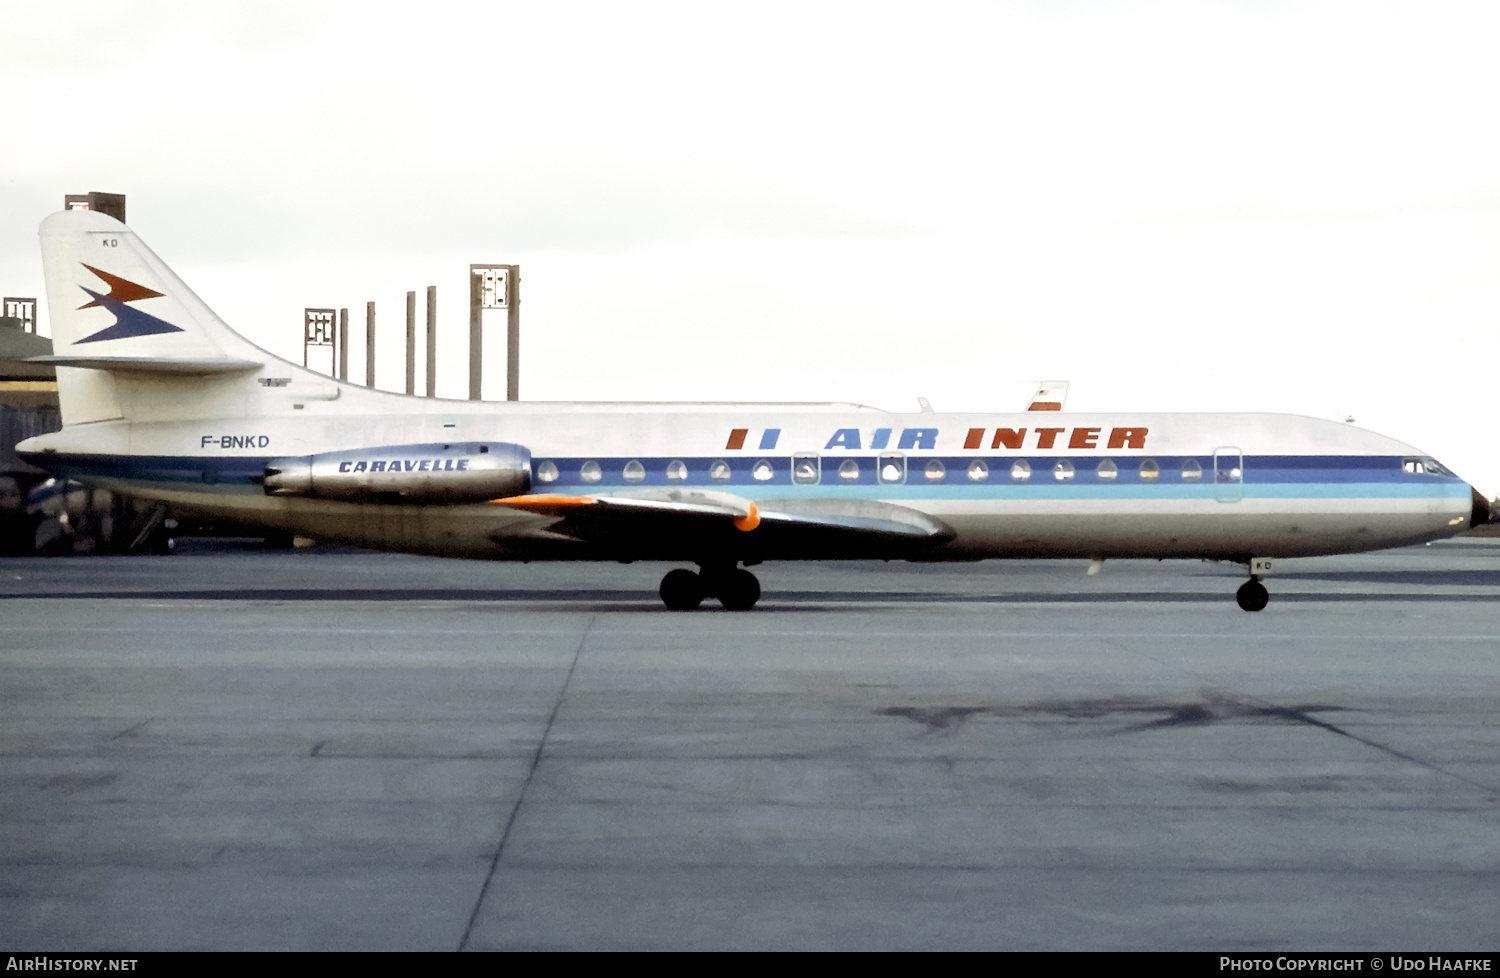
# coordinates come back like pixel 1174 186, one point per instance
pixel 1302 716
pixel 536 760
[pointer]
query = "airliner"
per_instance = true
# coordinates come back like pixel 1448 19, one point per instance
pixel 161 400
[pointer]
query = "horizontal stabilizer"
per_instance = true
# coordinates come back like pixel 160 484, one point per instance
pixel 153 365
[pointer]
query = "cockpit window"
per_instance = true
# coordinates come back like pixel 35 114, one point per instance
pixel 1424 466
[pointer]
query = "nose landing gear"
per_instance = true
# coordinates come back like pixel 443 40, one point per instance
pixel 1252 595
pixel 736 589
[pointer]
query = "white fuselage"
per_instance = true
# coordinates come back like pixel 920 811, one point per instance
pixel 1027 484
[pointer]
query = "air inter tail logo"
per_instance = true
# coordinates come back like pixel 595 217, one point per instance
pixel 128 322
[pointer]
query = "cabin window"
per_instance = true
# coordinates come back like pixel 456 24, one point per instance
pixel 978 471
pixel 677 470
pixel 1191 469
pixel 547 471
pixel 1107 469
pixel 590 471
pixel 1020 470
pixel 1063 470
pixel 719 471
pixel 892 468
pixel 805 469
pixel 1149 469
pixel 849 470
pixel 634 471
pixel 762 472
pixel 935 471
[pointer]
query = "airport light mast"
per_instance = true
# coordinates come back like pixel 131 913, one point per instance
pixel 495 287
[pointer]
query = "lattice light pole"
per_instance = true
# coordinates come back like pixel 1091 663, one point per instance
pixel 94 200
pixel 319 327
pixel 21 309
pixel 495 287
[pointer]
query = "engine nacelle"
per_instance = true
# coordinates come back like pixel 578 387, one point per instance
pixel 466 472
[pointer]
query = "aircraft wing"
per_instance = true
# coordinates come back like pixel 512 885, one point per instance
pixel 671 521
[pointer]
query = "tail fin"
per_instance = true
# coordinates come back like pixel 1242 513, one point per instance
pixel 116 307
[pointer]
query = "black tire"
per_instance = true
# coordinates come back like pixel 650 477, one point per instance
pixel 681 590
pixel 739 590
pixel 1252 596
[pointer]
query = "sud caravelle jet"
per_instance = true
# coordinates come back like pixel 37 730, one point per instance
pixel 161 400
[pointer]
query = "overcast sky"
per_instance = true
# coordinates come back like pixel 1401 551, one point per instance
pixel 1176 206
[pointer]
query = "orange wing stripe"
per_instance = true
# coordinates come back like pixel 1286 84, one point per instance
pixel 544 500
pixel 547 502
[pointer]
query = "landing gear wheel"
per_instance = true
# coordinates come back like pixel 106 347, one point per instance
pixel 738 590
pixel 681 590
pixel 1252 595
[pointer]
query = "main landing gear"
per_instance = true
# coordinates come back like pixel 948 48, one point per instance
pixel 1252 595
pixel 736 589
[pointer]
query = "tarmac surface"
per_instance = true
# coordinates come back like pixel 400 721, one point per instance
pixel 233 748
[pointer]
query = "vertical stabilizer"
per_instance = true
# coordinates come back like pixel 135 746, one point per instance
pixel 110 296
pixel 116 307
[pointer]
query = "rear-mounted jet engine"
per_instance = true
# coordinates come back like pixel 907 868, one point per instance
pixel 439 473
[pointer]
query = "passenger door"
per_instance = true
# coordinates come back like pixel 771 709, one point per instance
pixel 1229 474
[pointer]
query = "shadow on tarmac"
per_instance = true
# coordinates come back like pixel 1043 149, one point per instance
pixel 629 600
